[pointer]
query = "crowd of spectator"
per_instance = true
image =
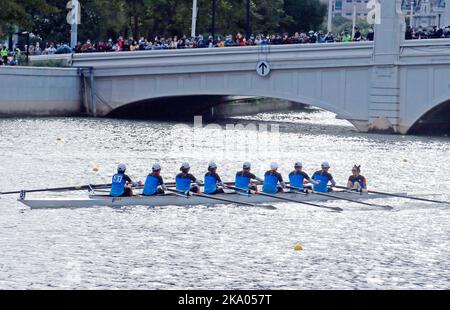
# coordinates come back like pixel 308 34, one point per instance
pixel 200 41
pixel 427 33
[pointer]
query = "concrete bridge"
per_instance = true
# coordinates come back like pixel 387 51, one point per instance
pixel 387 85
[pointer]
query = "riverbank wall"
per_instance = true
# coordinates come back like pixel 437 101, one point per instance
pixel 35 91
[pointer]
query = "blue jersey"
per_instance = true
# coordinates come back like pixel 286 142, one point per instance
pixel 118 185
pixel 183 181
pixel 151 184
pixel 297 178
pixel 243 179
pixel 324 178
pixel 271 180
pixel 211 180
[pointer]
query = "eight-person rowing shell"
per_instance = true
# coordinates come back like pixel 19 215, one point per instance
pixel 273 181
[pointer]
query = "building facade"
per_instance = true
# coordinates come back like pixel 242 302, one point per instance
pixel 425 12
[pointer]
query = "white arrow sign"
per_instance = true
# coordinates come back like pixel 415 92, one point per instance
pixel 263 68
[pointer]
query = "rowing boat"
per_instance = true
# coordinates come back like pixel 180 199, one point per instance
pixel 178 200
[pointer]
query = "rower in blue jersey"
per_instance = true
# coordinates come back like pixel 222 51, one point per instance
pixel 298 179
pixel 154 184
pixel 356 181
pixel 184 180
pixel 271 180
pixel 322 177
pixel 213 181
pixel 122 183
pixel 244 177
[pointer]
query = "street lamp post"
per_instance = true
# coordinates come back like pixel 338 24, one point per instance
pixel 330 16
pixel 74 24
pixel 354 20
pixel 194 18
pixel 248 30
pixel 213 26
pixel 27 44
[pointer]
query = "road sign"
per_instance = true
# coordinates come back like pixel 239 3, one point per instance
pixel 263 68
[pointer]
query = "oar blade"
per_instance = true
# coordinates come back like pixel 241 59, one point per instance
pixel 267 207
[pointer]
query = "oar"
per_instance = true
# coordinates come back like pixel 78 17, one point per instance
pixel 269 207
pixel 287 199
pixel 402 196
pixel 347 199
pixel 57 189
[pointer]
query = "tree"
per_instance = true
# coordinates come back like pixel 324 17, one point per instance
pixel 305 15
pixel 20 14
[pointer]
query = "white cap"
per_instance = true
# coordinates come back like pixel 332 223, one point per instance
pixel 325 165
pixel 156 167
pixel 212 165
pixel 121 167
pixel 298 164
pixel 185 166
pixel 246 165
pixel 273 166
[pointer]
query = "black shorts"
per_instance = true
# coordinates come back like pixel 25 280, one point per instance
pixel 194 189
pixel 218 191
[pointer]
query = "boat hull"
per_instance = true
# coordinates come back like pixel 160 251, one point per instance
pixel 175 200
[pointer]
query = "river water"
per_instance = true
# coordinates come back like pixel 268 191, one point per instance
pixel 223 247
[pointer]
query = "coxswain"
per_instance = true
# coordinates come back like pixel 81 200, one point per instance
pixel 273 181
pixel 322 178
pixel 298 178
pixel 356 181
pixel 184 180
pixel 213 181
pixel 244 177
pixel 154 184
pixel 122 183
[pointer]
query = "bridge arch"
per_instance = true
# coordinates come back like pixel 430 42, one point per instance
pixel 435 120
pixel 195 102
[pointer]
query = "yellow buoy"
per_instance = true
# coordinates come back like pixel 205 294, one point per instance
pixel 95 168
pixel 298 248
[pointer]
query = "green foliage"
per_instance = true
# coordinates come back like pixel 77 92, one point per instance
pixel 103 19
pixel 341 23
pixel 306 15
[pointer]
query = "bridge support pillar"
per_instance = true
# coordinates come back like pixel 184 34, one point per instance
pixel 384 105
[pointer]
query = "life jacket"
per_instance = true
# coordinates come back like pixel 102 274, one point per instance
pixel 151 186
pixel 270 183
pixel 242 182
pixel 296 179
pixel 118 185
pixel 210 184
pixel 322 187
pixel 183 184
